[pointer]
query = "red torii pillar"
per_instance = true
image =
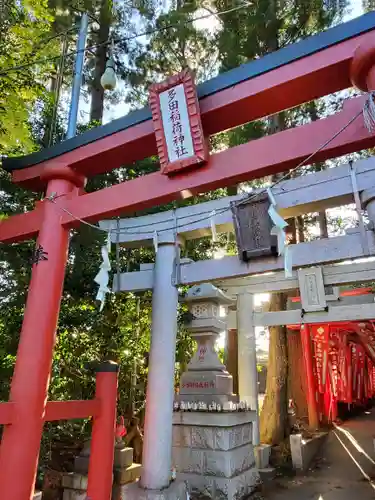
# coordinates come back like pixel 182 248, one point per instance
pixel 19 451
pixel 312 404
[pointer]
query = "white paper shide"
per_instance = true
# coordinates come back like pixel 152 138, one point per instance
pixel 176 123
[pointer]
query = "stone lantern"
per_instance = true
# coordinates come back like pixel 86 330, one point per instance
pixel 212 450
pixel 206 379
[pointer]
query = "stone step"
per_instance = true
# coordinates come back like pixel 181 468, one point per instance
pixel 262 454
pixel 127 474
pixel 75 481
pixel 123 457
pixel 74 495
pixel 267 474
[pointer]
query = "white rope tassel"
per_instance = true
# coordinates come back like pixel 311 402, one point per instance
pixel 279 231
pixel 288 267
pixel 213 226
pixel 102 278
pixel 369 112
pixel 155 241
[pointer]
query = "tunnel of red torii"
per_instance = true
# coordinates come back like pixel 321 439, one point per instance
pixel 339 362
pixel 320 65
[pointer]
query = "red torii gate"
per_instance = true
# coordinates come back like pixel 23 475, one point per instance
pixel 313 68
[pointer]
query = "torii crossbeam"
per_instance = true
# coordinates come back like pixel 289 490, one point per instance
pixel 310 69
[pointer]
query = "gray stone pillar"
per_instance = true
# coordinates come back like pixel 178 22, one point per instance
pixel 157 447
pixel 247 358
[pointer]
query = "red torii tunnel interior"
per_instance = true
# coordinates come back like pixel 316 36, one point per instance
pixel 339 364
pixel 317 66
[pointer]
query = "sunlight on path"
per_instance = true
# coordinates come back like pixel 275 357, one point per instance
pixel 345 469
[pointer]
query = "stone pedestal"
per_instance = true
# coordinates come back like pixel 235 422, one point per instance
pixel 213 453
pixel 175 491
pixel 75 486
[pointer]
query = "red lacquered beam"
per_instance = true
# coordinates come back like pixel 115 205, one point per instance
pixel 300 81
pixel 20 227
pixel 266 156
pixel 68 410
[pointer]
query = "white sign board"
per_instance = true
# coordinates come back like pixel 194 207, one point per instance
pixel 176 123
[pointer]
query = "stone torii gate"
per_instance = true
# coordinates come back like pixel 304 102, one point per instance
pixel 348 183
pixel 315 67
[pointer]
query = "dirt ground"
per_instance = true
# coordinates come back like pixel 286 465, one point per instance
pixel 344 469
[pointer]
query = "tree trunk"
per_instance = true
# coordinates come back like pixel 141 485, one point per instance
pixel 296 372
pixel 300 229
pixel 48 130
pixel 274 415
pixel 97 91
pixel 285 379
pixel 296 375
pixel 323 227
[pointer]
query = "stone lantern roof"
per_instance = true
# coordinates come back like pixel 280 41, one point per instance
pixel 206 292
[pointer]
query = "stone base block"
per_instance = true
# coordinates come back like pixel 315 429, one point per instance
pixel 212 431
pixel 213 453
pixel 222 488
pixel 304 451
pixel 262 455
pixel 176 491
pixel 81 465
pixel 128 474
pixel 74 481
pixel 213 419
pixel 74 495
pixel 267 474
pixel 123 457
pixel 219 463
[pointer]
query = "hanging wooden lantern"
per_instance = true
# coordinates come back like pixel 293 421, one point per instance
pixel 253 228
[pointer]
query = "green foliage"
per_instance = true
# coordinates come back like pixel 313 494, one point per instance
pixel 177 44
pixel 21 33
